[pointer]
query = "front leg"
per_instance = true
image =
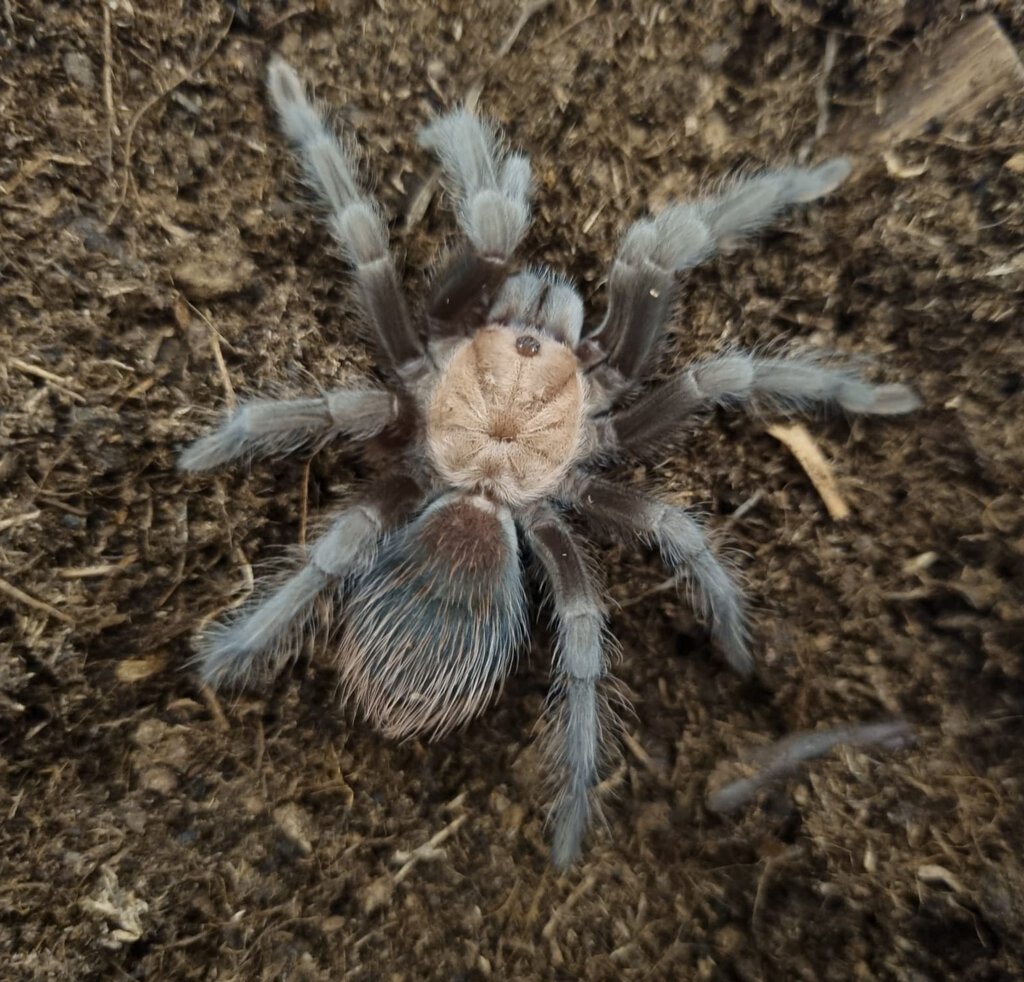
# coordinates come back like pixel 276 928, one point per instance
pixel 642 281
pixel 354 218
pixel 742 379
pixel 491 192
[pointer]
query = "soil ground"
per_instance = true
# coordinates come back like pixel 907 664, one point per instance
pixel 149 220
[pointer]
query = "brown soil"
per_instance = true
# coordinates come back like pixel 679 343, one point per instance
pixel 146 202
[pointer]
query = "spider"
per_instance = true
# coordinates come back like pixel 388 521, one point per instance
pixel 498 415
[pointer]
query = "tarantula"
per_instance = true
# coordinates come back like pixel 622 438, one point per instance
pixel 498 414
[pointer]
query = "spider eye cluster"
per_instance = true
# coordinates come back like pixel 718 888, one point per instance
pixel 507 416
pixel 527 345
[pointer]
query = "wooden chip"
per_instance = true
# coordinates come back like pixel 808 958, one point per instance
pixel 139 669
pixel 951 82
pixel 939 876
pixel 800 443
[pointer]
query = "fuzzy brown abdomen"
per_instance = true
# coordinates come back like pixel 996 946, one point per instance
pixel 506 417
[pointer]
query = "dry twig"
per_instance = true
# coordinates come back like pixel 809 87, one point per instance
pixel 218 356
pixel 800 443
pixel 108 90
pixel 584 886
pixel 15 520
pixel 429 850
pixel 59 383
pixel 154 100
pixel 821 95
pixel 29 601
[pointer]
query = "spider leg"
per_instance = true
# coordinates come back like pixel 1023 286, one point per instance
pixel 491 191
pixel 354 219
pixel 275 427
pixel 642 281
pixel 578 714
pixel 267 633
pixel 541 300
pixel 741 379
pixel 684 547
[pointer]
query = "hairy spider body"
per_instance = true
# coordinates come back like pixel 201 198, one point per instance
pixel 507 419
pixel 498 414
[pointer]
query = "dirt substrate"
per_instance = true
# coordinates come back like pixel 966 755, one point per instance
pixel 147 209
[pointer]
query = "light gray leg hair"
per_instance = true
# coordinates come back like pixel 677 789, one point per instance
pixel 354 219
pixel 274 427
pixel 578 713
pixel 641 284
pixel 793 382
pixel 684 548
pixel 265 635
pixel 790 382
pixel 491 189
pixel 540 300
pixel 684 235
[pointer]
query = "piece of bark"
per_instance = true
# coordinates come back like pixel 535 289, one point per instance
pixel 945 83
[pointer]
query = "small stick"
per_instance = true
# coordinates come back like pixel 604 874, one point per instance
pixel 30 169
pixel 429 849
pixel 304 517
pixel 218 357
pixel 100 569
pixel 15 520
pixel 821 96
pixel 29 601
pixel 209 695
pixel 61 384
pixel 637 749
pixel 182 77
pixel 139 669
pixel 771 866
pixel 788 754
pixel 108 90
pixel 745 507
pixel 798 441
pixel 529 11
pixel 587 884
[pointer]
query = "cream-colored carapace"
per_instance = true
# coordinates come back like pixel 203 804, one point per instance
pixel 506 418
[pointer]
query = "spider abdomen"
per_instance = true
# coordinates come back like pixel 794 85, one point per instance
pixel 506 417
pixel 436 621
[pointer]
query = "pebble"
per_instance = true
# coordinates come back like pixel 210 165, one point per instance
pixel 78 68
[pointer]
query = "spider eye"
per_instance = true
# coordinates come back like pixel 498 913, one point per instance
pixel 527 345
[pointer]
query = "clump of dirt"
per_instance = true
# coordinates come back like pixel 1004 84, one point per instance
pixel 154 251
